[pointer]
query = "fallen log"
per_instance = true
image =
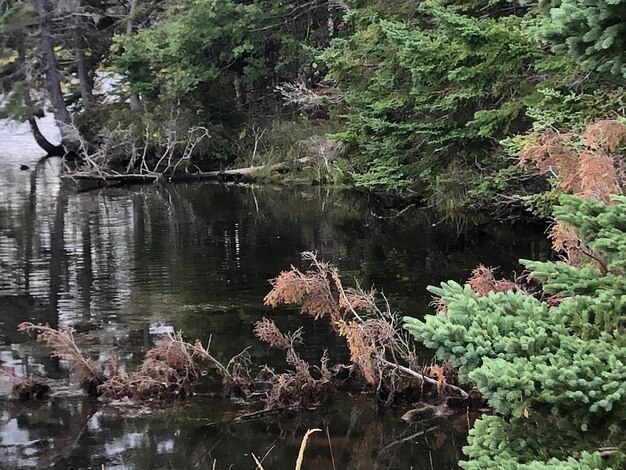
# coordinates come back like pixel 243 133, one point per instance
pixel 83 181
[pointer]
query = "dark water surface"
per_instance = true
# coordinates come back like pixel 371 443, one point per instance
pixel 117 265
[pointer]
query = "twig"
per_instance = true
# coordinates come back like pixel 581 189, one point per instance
pixel 393 216
pixel 408 438
pixel 330 446
pixel 258 464
pixel 424 378
pixel 303 446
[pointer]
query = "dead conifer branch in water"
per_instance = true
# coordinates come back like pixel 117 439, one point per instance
pixel 168 370
pixel 64 347
pixel 380 350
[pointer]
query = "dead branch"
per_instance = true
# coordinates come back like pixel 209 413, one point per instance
pixel 64 347
pixel 425 378
pixel 378 345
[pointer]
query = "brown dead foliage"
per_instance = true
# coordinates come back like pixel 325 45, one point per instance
pixel 598 174
pixel 585 164
pixel 565 240
pixel 267 331
pixel 608 135
pixel 310 290
pixel 168 370
pixel 301 384
pixel 64 347
pixel 381 352
pixel 553 153
pixel 438 373
pixel 483 281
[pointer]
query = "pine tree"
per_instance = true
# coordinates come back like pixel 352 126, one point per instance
pixel 547 360
pixel 591 31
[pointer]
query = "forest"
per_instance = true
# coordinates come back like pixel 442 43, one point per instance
pixel 442 100
pixel 510 107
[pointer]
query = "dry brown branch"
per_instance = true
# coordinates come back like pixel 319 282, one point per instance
pixel 378 345
pixel 64 347
pixel 483 281
pixel 168 370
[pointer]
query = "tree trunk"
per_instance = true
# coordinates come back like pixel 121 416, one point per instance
pixel 53 80
pixel 135 101
pixel 51 149
pixel 45 144
pixel 83 71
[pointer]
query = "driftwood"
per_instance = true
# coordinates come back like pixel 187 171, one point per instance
pixel 89 181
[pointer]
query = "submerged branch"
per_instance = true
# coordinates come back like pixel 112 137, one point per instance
pixel 425 378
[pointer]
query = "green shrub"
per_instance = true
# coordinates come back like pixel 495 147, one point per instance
pixel 559 352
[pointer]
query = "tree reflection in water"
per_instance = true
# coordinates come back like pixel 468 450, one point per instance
pixel 80 434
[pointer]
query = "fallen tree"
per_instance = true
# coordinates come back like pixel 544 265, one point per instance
pixel 85 181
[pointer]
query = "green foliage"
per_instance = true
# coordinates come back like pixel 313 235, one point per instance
pixel 528 445
pixel 203 47
pixel 443 83
pixel 530 355
pixel 386 175
pixel 590 31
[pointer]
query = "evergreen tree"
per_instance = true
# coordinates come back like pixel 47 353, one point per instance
pixel 591 31
pixel 442 86
pixel 555 358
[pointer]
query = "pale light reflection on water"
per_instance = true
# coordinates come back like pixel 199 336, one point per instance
pixel 119 265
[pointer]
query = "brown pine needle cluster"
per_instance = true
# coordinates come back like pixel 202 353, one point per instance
pixel 586 164
pixel 310 290
pixel 483 281
pixel 380 350
pixel 64 347
pixel 267 331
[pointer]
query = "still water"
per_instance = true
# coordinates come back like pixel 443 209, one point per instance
pixel 118 265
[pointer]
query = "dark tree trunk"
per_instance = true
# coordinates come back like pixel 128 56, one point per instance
pixel 51 149
pixel 135 102
pixel 84 80
pixel 53 80
pixel 45 144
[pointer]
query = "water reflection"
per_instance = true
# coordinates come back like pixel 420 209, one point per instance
pixel 117 265
pixel 79 434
